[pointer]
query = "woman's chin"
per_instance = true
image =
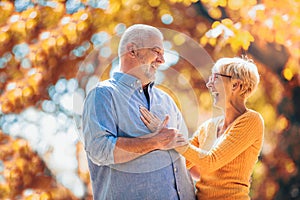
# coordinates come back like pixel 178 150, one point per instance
pixel 218 104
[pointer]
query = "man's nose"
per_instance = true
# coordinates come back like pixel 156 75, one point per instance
pixel 160 59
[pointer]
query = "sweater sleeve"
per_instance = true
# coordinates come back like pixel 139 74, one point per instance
pixel 242 134
pixel 198 140
pixel 194 141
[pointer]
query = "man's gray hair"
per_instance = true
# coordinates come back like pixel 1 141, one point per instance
pixel 137 34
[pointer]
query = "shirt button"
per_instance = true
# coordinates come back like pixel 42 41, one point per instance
pixel 131 85
pixel 175 169
pixel 141 90
pixel 179 192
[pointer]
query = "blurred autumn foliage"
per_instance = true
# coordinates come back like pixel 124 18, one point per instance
pixel 42 42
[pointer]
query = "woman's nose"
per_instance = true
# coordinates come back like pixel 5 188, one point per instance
pixel 209 83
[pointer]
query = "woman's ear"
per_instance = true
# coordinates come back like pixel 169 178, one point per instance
pixel 236 85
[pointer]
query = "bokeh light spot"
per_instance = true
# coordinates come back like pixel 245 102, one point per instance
pixel 167 45
pixel 21 50
pixel 73 6
pixel 103 4
pixel 105 52
pixel 100 38
pixel 21 5
pixel 167 19
pixel 61 86
pixel 120 28
pixel 26 63
pixel 154 3
pixel 179 39
pixel 48 106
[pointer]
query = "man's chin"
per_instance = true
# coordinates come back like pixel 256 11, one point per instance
pixel 151 76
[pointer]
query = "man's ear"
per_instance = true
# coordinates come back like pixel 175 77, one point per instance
pixel 132 49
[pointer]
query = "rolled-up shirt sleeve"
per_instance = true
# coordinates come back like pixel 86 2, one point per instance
pixel 99 126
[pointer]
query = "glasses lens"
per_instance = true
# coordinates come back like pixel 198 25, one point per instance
pixel 215 76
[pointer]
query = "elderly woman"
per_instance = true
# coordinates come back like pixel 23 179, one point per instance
pixel 225 149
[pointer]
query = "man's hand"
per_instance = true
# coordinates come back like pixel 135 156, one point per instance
pixel 169 139
pixel 163 138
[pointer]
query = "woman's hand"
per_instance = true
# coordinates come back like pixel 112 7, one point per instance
pixel 151 121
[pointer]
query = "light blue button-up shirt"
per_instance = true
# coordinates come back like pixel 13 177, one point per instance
pixel 111 110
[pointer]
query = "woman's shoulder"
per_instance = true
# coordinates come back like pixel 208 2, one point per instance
pixel 212 122
pixel 253 114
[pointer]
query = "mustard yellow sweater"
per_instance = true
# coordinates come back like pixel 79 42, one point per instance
pixel 226 163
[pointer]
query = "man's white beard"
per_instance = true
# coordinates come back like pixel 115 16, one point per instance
pixel 149 73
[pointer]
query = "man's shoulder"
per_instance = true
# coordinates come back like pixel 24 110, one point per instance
pixel 160 92
pixel 102 87
pixel 105 85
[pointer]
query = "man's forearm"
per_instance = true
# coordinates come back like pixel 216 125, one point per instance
pixel 128 149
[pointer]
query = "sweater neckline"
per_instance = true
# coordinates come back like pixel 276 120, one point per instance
pixel 230 125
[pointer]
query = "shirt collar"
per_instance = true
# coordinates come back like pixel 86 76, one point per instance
pixel 129 80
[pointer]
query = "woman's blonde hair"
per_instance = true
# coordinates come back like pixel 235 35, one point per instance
pixel 243 69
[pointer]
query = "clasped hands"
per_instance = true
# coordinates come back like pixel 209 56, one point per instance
pixel 166 138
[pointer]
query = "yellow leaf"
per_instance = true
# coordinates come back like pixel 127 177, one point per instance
pixel 31 24
pixel 279 37
pixel 6 9
pixel 82 26
pixel 277 21
pixel 203 41
pixel 246 45
pixel 204 1
pixel 187 3
pixel 288 74
pixel 215 12
pixel 212 41
pixel 215 24
pixel 114 7
pixel 235 4
pixel 251 2
pixel 222 3
pixel 4 37
pixel 154 3
pixel 234 44
pixel 227 22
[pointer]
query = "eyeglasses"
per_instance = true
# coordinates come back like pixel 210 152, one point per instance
pixel 214 76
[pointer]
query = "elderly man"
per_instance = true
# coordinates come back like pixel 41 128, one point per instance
pixel 125 160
